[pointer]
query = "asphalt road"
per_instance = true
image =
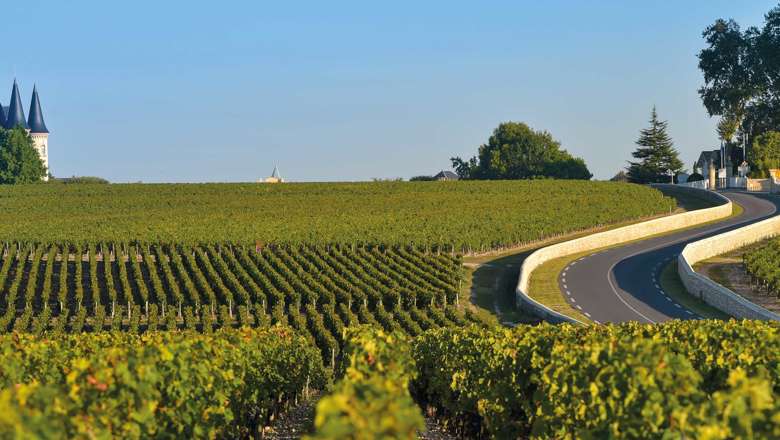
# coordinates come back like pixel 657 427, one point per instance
pixel 621 284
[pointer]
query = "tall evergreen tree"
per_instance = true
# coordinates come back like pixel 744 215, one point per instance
pixel 656 153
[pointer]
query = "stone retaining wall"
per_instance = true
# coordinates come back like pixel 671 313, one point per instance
pixel 713 293
pixel 759 185
pixel 614 237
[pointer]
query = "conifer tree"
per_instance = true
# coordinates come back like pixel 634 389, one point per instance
pixel 655 153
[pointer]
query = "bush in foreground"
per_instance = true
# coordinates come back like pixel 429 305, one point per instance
pixel 162 385
pixel 372 399
pixel 693 379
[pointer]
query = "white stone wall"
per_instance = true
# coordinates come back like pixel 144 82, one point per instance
pixel 758 185
pixel 612 237
pixel 713 293
pixel 41 144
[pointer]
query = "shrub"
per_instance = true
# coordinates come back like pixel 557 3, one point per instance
pixel 372 399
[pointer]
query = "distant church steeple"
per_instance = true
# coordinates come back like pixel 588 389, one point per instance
pixel 36 123
pixel 15 114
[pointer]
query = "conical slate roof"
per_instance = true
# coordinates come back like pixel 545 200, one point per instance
pixel 15 115
pixel 2 116
pixel 35 122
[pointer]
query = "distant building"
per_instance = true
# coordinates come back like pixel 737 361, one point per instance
pixel 274 178
pixel 13 116
pixel 719 159
pixel 621 176
pixel 706 160
pixel 446 175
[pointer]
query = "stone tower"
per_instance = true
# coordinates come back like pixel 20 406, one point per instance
pixel 38 130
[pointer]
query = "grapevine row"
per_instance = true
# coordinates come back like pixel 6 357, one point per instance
pixel 318 290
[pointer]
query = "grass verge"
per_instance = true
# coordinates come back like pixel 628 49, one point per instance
pixel 671 284
pixel 491 287
pixel 543 286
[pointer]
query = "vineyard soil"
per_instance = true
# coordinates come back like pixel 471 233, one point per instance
pixel 729 271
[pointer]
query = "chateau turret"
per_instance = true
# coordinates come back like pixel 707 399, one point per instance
pixel 15 115
pixel 38 130
pixel 35 122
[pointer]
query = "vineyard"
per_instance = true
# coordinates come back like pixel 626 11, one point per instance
pixel 691 379
pixel 204 311
pixel 763 266
pixel 461 216
pixel 317 290
pixel 682 379
pixel 159 385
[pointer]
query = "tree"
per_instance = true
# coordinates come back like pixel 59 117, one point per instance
pixel 78 180
pixel 742 76
pixel 516 151
pixel 19 162
pixel 765 154
pixel 695 177
pixel 656 154
pixel 465 169
pixel 727 67
pixel 728 126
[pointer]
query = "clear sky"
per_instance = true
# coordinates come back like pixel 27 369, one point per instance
pixel 221 91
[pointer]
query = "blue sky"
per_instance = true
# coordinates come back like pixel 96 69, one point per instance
pixel 221 91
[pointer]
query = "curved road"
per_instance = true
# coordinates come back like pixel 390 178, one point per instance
pixel 621 284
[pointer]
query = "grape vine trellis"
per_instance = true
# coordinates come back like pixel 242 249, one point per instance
pixel 763 265
pixel 317 290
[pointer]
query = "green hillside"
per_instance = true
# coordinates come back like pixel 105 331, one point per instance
pixel 466 215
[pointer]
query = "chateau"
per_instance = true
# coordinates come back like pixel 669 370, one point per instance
pixel 13 116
